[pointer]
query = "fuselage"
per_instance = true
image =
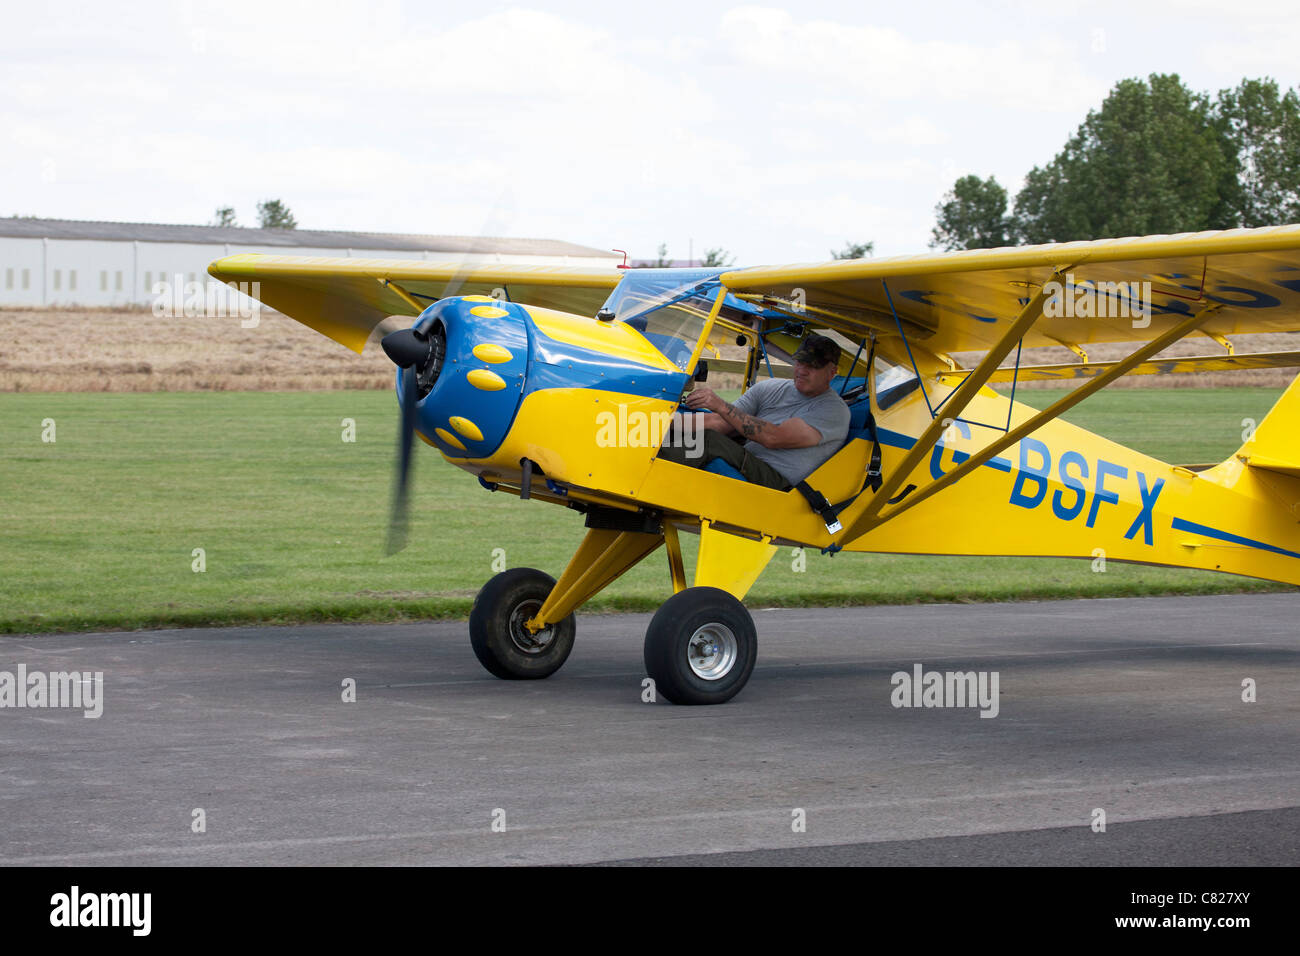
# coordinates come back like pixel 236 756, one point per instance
pixel 585 404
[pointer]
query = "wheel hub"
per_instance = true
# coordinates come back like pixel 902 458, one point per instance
pixel 712 651
pixel 529 642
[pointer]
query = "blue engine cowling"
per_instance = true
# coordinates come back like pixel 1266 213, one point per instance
pixel 494 354
pixel 472 398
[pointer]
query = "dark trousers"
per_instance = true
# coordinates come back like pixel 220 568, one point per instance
pixel 718 445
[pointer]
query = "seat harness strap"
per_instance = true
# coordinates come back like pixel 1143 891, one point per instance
pixel 872 479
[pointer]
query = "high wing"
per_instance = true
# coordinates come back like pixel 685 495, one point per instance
pixel 346 298
pixel 968 301
pixel 992 301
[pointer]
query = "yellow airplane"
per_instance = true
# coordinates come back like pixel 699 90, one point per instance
pixel 556 385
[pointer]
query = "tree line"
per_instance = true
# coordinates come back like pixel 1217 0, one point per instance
pixel 271 214
pixel 1156 158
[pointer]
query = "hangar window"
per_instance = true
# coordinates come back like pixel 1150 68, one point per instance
pixel 72 278
pixel 118 281
pixel 9 278
pixel 103 280
pixel 58 278
pixel 27 278
pixel 148 282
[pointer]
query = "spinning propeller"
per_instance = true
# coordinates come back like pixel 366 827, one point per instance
pixel 419 355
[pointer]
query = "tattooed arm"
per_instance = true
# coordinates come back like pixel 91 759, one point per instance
pixel 791 433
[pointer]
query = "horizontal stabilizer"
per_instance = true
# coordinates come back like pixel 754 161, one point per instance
pixel 1272 464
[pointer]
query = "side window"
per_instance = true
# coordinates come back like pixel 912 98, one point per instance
pixel 893 382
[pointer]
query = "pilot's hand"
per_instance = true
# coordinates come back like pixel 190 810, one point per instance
pixel 704 397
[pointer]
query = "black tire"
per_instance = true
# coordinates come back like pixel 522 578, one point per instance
pixel 496 632
pixel 683 630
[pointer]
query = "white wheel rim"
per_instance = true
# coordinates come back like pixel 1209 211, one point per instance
pixel 712 651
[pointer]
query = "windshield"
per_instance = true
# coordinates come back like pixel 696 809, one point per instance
pixel 669 307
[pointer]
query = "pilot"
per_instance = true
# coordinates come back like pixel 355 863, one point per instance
pixel 784 429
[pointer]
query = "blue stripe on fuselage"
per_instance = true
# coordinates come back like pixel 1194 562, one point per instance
pixel 906 442
pixel 1180 524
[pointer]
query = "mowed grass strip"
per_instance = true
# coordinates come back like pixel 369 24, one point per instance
pixel 101 527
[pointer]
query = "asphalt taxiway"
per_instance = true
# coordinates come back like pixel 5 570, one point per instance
pixel 1131 707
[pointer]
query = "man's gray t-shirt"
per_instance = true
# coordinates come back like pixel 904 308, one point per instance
pixel 777 400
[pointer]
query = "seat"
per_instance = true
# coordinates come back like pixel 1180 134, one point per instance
pixel 720 467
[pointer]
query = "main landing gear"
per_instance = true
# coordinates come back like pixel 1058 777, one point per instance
pixel 700 646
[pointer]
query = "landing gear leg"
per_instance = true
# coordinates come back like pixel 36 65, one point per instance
pixel 521 626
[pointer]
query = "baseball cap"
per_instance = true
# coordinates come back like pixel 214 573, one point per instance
pixel 818 351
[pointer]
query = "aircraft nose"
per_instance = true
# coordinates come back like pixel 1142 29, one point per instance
pixel 420 350
pixel 472 355
pixel 406 347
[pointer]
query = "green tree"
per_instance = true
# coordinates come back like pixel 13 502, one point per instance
pixel 225 216
pixel 718 257
pixel 1149 161
pixel 972 215
pixel 273 214
pixel 1262 126
pixel 854 250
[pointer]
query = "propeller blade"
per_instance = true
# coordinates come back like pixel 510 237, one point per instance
pixel 502 214
pixel 415 353
pixel 398 519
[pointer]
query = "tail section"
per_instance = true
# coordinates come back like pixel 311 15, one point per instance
pixel 1275 446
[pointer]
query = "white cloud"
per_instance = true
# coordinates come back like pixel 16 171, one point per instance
pixel 775 134
pixel 882 62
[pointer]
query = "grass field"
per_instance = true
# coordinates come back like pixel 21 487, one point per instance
pixel 100 526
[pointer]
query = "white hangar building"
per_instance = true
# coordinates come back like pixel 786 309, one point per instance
pixel 67 262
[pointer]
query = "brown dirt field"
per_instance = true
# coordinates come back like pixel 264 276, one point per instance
pixel 112 350
pixel 94 350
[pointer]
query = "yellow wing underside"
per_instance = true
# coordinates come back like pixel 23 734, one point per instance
pixel 1181 365
pixel 944 303
pixel 345 298
pixel 965 301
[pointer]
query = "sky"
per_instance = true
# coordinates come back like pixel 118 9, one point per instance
pixel 777 133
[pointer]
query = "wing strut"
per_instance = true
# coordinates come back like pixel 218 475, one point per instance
pixel 402 294
pixel 1054 410
pixel 960 398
